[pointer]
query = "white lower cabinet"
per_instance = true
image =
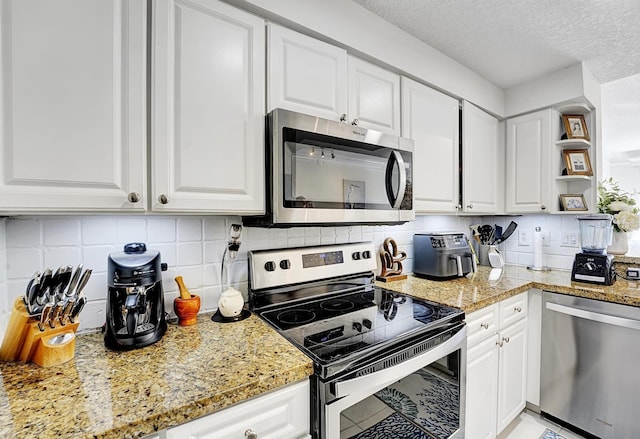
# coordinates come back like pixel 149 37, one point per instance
pixel 281 414
pixel 496 367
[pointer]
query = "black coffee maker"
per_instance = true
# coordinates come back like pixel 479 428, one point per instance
pixel 135 302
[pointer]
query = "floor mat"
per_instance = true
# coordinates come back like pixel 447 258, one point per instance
pixel 426 399
pixel 550 434
pixel 392 427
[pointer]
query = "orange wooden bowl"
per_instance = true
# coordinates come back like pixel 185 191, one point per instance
pixel 187 310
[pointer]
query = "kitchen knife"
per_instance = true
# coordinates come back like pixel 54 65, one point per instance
pixel 55 284
pixel 55 313
pixel 29 294
pixel 77 308
pixel 83 282
pixel 65 278
pixel 44 317
pixel 66 311
pixel 45 285
pixel 74 280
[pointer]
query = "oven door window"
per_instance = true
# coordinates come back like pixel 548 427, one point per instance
pixel 423 405
pixel 324 172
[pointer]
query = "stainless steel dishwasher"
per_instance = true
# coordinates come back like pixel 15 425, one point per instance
pixel 590 369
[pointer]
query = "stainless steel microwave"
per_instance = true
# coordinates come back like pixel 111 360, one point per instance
pixel 325 172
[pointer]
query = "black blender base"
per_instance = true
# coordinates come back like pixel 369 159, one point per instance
pixel 593 269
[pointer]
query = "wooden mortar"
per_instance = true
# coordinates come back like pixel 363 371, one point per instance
pixel 187 309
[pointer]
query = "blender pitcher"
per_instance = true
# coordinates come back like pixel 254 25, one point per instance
pixel 595 232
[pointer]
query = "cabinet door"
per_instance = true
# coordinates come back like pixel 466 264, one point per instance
pixel 432 120
pixel 374 97
pixel 482 162
pixel 512 373
pixel 306 75
pixel 281 414
pixel 482 390
pixel 208 108
pixel 528 144
pixel 72 105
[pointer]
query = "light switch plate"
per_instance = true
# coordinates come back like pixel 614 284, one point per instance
pixel 525 237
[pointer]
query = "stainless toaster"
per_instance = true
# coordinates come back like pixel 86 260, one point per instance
pixel 442 255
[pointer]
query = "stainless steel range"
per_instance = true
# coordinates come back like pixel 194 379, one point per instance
pixel 366 342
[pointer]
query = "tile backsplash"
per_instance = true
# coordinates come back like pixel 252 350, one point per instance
pixel 193 247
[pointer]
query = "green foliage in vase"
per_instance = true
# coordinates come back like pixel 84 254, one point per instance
pixel 612 199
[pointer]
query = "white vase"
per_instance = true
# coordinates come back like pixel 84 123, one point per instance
pixel 619 244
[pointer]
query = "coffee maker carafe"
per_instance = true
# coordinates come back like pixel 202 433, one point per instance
pixel 135 302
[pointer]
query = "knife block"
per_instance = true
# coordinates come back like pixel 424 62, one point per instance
pixel 24 341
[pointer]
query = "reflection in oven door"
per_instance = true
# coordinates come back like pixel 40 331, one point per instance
pixel 421 396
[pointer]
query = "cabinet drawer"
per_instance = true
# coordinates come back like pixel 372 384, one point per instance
pixel 281 414
pixel 482 324
pixel 513 309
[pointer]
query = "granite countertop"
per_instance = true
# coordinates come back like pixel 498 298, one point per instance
pixel 478 291
pixel 197 370
pixel 191 372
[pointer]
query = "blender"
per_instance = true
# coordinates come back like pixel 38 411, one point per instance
pixel 593 264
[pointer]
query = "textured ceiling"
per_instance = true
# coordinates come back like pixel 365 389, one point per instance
pixel 509 42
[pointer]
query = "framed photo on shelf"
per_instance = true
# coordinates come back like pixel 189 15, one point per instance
pixel 575 126
pixel 577 162
pixel 574 202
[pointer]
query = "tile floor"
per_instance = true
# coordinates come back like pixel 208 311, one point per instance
pixel 528 425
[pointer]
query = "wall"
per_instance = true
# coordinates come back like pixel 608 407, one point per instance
pixel 191 246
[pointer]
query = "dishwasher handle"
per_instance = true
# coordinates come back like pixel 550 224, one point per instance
pixel 597 317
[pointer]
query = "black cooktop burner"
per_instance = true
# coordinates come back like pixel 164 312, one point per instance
pixel 337 305
pixel 295 317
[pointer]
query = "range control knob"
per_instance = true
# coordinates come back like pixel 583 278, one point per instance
pixel 355 256
pixel 366 254
pixel 367 323
pixel 357 326
pixel 270 266
pixel 285 264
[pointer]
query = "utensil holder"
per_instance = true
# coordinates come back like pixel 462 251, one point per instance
pixel 24 341
pixel 482 250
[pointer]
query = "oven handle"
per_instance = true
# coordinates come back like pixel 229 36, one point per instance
pixel 392 374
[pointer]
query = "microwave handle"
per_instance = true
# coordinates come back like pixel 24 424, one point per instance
pixel 396 200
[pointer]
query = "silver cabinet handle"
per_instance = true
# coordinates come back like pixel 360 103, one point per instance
pixel 484 325
pixel 543 207
pixel 163 199
pixel 343 118
pixel 501 342
pixel 505 339
pixel 133 197
pixel 517 309
pixel 355 122
pixel 469 206
pixel 250 434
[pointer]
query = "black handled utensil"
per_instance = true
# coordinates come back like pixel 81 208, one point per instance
pixel 508 232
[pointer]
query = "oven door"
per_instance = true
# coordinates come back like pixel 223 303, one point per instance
pixel 422 393
pixel 327 172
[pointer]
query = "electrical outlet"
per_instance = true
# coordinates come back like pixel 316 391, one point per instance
pixel 569 239
pixel 524 237
pixel 545 238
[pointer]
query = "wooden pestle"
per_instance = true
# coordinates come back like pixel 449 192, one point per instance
pixel 184 293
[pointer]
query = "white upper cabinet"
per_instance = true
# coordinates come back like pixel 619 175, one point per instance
pixel 306 75
pixel 72 105
pixel 374 97
pixel 432 119
pixel 313 77
pixel 482 161
pixel 208 108
pixel 528 144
